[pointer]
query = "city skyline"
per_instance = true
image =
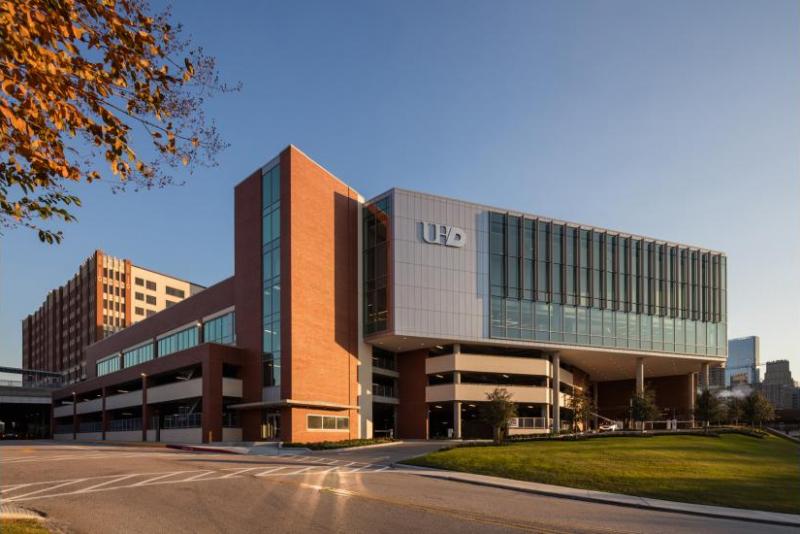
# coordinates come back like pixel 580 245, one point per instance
pixel 693 146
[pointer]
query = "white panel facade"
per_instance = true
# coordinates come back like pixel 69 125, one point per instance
pixel 439 291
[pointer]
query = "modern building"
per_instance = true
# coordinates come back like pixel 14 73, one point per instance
pixel 349 318
pixel 106 295
pixel 744 359
pixel 717 378
pixel 778 386
pixel 26 402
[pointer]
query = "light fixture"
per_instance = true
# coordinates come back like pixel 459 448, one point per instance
pixel 471 405
pixel 122 391
pixel 181 377
pixel 504 376
pixel 438 407
pixel 439 376
pixel 439 347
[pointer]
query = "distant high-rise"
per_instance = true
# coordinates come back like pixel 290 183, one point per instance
pixel 104 296
pixel 716 378
pixel 778 385
pixel 743 360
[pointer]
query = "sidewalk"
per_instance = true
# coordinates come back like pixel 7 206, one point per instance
pixel 736 514
pixel 263 449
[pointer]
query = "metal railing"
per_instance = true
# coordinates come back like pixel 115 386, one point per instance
pixel 90 426
pixel 384 363
pixel 187 420
pixel 230 420
pixel 527 422
pixel 124 425
pixel 382 391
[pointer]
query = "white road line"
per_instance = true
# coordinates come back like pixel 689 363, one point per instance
pixel 15 487
pixel 196 477
pixel 48 488
pixel 159 477
pixel 107 482
pixel 325 470
pixel 238 472
pixel 270 470
pixel 301 470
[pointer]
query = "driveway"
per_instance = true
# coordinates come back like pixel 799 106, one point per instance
pixel 103 489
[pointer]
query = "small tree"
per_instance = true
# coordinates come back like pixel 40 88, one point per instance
pixel 758 409
pixel 708 408
pixel 580 409
pixel 735 409
pixel 497 411
pixel 643 407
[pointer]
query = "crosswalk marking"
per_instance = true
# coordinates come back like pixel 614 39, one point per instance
pixel 238 472
pixel 277 466
pixel 270 470
pixel 107 482
pixel 160 477
pixel 18 497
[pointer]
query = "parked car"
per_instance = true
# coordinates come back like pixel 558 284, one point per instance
pixel 609 427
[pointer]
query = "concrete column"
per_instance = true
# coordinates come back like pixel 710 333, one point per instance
pixel 74 416
pixel 639 376
pixel 705 376
pixel 457 419
pixel 212 402
pixel 104 424
pixel 145 411
pixel 692 392
pixel 595 388
pixel 555 388
pixel 457 348
pixel 456 402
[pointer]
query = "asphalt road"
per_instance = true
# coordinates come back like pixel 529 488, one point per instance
pixel 102 488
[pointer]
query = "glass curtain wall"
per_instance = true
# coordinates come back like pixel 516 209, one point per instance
pixel 556 282
pixel 376 261
pixel 271 271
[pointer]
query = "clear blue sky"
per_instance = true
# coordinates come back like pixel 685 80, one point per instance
pixel 678 120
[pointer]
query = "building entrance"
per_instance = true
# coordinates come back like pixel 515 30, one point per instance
pixel 270 425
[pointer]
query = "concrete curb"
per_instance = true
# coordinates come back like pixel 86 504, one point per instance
pixel 356 448
pixel 721 512
pixel 12 511
pixel 196 448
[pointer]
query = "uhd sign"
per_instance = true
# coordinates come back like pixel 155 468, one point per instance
pixel 442 234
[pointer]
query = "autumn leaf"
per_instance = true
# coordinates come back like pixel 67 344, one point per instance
pixel 64 108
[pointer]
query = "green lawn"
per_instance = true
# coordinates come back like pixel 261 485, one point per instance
pixel 732 470
pixel 22 526
pixel 326 445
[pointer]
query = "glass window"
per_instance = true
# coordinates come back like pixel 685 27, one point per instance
pixel 608 324
pixel 556 322
pixel 597 322
pixel 220 330
pixel 621 325
pixel 658 333
pixel 138 355
pixel 178 341
pixel 633 326
pixel 669 334
pixel 526 319
pixel 570 320
pixel 542 317
pixel 108 365
pixel 512 318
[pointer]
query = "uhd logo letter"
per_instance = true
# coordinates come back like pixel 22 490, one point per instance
pixel 442 234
